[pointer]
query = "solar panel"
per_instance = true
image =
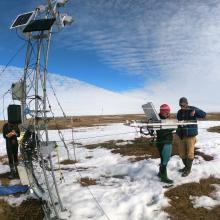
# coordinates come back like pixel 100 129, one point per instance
pixel 39 25
pixel 22 20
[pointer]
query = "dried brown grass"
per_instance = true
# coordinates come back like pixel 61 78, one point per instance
pixel 4 179
pixel 140 149
pixel 86 181
pixel 28 210
pixel 4 160
pixel 181 207
pixel 66 162
pixel 214 129
pixel 87 121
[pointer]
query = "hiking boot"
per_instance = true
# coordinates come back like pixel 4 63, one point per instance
pixel 184 168
pixel 163 176
pixel 188 167
pixel 159 173
pixel 11 176
pixel 166 180
pixel 186 173
pixel 12 172
pixel 16 174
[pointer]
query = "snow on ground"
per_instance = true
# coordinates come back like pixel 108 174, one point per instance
pixel 125 190
pixel 205 201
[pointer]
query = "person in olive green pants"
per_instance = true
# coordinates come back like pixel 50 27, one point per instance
pixel 186 135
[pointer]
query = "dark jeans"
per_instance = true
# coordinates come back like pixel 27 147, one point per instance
pixel 12 152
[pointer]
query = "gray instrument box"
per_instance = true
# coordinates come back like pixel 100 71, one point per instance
pixel 151 112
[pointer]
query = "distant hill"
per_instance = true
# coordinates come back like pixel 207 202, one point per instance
pixel 76 97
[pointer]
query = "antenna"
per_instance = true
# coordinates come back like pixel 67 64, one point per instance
pixel 36 148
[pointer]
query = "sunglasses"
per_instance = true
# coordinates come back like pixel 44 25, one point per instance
pixel 183 105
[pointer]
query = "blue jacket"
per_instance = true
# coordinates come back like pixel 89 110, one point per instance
pixel 189 130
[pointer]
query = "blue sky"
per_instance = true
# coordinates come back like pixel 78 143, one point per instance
pixel 151 49
pixel 83 60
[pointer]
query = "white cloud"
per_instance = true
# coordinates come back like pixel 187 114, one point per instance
pixel 174 46
pixel 177 43
pixel 75 97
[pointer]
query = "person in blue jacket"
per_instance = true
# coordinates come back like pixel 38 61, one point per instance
pixel 186 135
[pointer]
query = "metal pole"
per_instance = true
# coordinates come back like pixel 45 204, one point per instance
pixel 37 78
pixel 48 186
pixel 45 116
pixel 24 95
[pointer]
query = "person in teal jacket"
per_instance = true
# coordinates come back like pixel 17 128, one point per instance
pixel 164 144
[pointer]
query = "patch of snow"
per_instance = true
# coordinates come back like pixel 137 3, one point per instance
pixel 125 190
pixel 204 202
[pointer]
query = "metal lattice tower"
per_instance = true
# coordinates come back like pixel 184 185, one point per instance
pixel 37 149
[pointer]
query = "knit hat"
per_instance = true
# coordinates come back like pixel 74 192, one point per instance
pixel 164 109
pixel 183 100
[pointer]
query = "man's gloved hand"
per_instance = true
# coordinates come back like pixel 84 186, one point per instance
pixel 192 113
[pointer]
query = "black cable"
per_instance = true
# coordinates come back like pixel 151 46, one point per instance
pixel 11 59
pixel 54 93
